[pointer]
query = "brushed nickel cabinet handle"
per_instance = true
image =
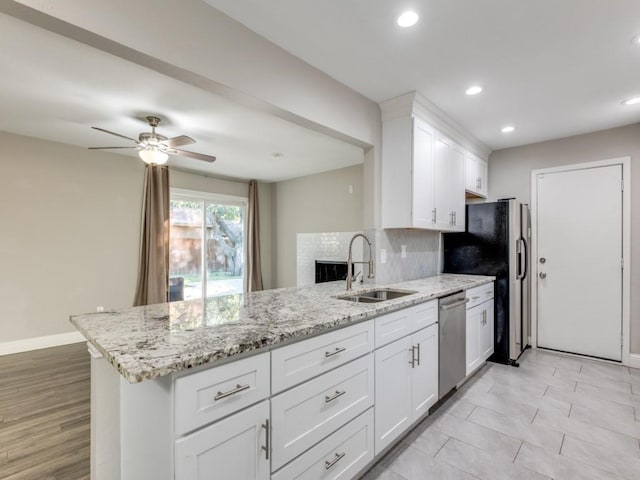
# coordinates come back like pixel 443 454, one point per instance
pixel 328 399
pixel 418 349
pixel 328 464
pixel 433 215
pixel 335 352
pixel 239 388
pixel 478 182
pixel 267 439
pixel 413 356
pixel 475 297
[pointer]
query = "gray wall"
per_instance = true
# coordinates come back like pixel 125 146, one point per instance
pixel 312 204
pixel 510 176
pixel 70 231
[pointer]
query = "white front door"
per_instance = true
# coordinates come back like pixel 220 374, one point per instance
pixel 579 261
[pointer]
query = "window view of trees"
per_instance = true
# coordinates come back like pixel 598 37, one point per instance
pixel 220 249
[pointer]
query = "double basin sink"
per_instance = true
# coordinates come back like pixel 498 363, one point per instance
pixel 376 295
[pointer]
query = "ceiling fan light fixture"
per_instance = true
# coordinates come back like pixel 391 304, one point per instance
pixel 153 156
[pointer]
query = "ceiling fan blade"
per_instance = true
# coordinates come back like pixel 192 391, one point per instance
pixel 178 141
pixel 107 148
pixel 116 134
pixel 197 156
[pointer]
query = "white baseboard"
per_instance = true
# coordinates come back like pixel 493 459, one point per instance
pixel 36 343
pixel 634 360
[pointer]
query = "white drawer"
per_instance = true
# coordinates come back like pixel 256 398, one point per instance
pixel 205 396
pixel 340 456
pixel 310 412
pixel 480 294
pixel 392 326
pixel 301 361
pixel 424 315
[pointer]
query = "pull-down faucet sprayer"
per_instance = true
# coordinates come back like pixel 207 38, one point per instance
pixel 350 262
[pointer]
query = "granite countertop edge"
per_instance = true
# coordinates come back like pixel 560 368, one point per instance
pixel 136 356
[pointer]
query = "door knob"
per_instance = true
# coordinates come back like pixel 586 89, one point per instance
pixel 543 275
pixel 543 260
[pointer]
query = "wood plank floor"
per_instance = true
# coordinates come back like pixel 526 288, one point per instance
pixel 44 414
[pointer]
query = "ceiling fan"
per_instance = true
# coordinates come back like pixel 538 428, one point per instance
pixel 154 148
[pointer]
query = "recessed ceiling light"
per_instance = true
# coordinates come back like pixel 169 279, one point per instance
pixel 474 90
pixel 508 129
pixel 408 18
pixel 636 40
pixel 631 101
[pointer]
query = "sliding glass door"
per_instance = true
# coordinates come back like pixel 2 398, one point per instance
pixel 207 245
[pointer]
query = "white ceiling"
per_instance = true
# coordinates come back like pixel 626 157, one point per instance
pixel 551 68
pixel 54 88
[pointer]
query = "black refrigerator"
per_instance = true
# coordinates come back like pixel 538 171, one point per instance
pixel 495 242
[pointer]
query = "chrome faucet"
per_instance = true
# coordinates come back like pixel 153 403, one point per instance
pixel 350 262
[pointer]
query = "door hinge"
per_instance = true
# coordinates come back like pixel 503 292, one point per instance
pixel 622 185
pixel 621 340
pixel 622 263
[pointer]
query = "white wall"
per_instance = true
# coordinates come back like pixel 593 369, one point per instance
pixel 313 204
pixel 510 176
pixel 70 232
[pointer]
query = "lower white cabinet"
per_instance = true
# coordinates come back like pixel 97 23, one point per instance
pixel 313 410
pixel 406 383
pixel 479 344
pixel 340 456
pixel 235 448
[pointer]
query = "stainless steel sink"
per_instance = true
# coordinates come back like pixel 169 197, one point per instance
pixel 377 295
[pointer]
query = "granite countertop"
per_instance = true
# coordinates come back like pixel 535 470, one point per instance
pixel 151 341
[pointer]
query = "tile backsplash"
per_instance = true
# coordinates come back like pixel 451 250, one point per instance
pixel 422 254
pixel 323 246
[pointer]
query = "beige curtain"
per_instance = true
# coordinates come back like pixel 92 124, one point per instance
pixel 254 274
pixel 153 269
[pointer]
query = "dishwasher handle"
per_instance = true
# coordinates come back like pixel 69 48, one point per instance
pixel 449 306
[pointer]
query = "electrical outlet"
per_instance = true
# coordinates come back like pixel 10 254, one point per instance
pixel 383 255
pixel 403 251
pixel 350 189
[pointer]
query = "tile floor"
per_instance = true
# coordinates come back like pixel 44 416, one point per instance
pixel 556 417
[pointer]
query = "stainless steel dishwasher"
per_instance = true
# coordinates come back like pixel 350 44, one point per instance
pixel 453 336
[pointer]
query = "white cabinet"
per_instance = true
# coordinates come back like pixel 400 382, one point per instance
pixel 338 457
pixel 422 177
pixel 406 383
pixel 234 448
pixel 480 330
pixel 309 412
pixel 476 173
pixel 449 201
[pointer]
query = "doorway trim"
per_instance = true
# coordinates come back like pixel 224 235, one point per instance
pixel 625 162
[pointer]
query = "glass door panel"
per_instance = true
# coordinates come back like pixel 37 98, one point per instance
pixel 224 249
pixel 186 279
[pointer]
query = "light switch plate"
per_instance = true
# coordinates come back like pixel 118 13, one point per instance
pixel 403 251
pixel 383 255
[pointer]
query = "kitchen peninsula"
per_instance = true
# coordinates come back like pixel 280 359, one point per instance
pixel 176 387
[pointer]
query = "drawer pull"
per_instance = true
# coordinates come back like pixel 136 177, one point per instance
pixel 239 388
pixel 328 464
pixel 335 352
pixel 267 440
pixel 475 297
pixel 328 399
pixel 488 293
pixel 418 348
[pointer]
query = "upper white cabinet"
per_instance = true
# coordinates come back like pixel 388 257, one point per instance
pixel 476 173
pixel 448 188
pixel 422 177
pixel 426 166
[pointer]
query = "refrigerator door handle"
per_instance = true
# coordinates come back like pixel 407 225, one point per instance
pixel 526 258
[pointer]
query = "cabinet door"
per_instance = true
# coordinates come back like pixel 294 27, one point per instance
pixel 483 176
pixel 231 448
pixel 456 182
pixel 423 164
pixel 471 173
pixel 486 331
pixel 393 392
pixel 424 374
pixel 441 193
pixel 474 321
